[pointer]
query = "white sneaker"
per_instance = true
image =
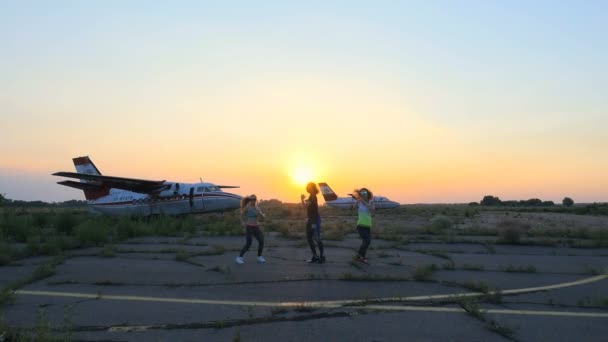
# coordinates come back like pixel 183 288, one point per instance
pixel 239 260
pixel 261 259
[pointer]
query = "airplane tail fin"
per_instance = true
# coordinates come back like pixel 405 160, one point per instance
pixel 92 190
pixel 328 193
pixel 85 165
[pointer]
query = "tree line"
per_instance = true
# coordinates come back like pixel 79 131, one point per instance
pixel 10 203
pixel 490 200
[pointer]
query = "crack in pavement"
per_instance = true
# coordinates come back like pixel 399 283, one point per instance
pixel 213 324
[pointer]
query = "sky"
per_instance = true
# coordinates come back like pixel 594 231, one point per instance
pixel 420 101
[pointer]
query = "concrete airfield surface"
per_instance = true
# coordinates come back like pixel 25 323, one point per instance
pixel 167 289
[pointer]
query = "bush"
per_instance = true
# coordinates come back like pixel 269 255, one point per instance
pixel 223 228
pixel 424 272
pixel 7 253
pixel 65 222
pixel 439 223
pixel 130 227
pixel 490 200
pixel 335 230
pixel 510 231
pixel 90 232
pixel 567 202
pixel 40 219
pixel 18 227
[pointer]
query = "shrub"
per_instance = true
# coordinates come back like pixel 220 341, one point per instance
pixel 65 222
pixel 510 231
pixel 7 253
pixel 90 232
pixel 600 238
pixel 129 227
pixel 40 219
pixel 439 223
pixel 424 272
pixel 335 230
pixel 18 227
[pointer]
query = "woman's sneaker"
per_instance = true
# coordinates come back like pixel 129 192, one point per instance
pixel 261 259
pixel 322 260
pixel 360 259
pixel 239 260
pixel 314 260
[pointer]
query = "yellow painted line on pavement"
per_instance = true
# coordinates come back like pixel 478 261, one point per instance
pixel 145 299
pixel 355 303
pixel 489 311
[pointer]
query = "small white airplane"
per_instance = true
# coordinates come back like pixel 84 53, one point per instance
pixel 127 196
pixel 333 200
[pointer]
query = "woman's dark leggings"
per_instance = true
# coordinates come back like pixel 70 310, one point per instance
pixel 253 231
pixel 366 236
pixel 313 234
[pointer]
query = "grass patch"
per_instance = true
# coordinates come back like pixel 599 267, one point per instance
pixel 510 231
pixel 448 266
pixel 502 330
pixel 600 301
pixel 424 272
pixel 383 254
pixel 435 253
pixel 347 276
pixel 7 293
pixel 490 248
pixel 215 250
pixel 519 269
pixel 220 269
pixel 108 283
pixel 472 267
pixel 108 251
pixel 477 286
pixel 472 308
pixel 304 308
pixel 336 231
pixel 182 255
pixel 46 270
pixel 278 311
pixel 8 254
pixel 592 270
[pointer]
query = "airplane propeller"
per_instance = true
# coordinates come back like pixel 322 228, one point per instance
pixel 228 186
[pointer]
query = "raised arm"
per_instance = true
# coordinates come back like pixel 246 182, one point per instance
pixel 260 211
pixel 305 203
pixel 372 207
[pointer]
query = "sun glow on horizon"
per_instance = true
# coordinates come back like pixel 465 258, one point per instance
pixel 301 175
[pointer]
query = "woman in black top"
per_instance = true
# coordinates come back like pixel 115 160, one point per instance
pixel 313 223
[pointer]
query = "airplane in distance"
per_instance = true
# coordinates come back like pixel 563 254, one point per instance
pixel 333 200
pixel 126 196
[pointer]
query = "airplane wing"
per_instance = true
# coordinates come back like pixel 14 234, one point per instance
pixel 129 184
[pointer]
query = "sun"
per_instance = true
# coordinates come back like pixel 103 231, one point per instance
pixel 302 175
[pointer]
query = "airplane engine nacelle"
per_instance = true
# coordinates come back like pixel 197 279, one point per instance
pixel 167 193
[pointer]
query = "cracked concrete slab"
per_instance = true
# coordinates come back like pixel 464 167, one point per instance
pixel 159 273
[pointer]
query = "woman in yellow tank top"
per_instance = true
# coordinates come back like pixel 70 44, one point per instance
pixel 365 207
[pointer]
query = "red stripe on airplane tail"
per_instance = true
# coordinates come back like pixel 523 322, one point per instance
pixel 81 160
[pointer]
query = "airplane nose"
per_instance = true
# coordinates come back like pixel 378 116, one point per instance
pixel 235 201
pixel 394 204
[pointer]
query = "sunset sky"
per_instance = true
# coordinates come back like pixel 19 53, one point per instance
pixel 420 101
